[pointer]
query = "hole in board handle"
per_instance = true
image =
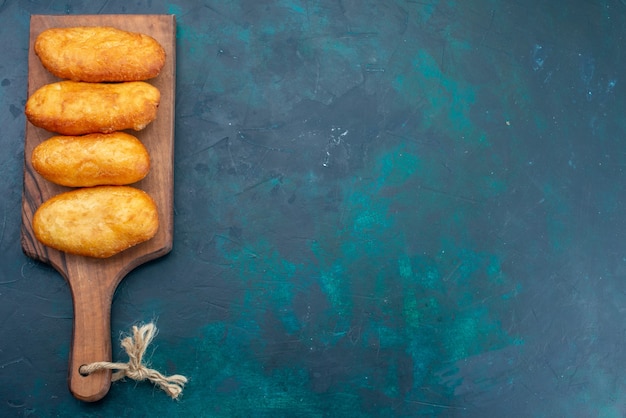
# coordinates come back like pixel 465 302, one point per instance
pixel 81 372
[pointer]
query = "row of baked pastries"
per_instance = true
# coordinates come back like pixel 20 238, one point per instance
pixel 103 92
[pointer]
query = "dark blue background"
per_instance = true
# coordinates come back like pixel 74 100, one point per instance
pixel 382 208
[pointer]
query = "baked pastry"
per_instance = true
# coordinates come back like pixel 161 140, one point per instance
pixel 97 54
pixel 77 108
pixel 96 221
pixel 117 158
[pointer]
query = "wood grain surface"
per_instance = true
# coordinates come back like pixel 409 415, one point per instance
pixel 93 281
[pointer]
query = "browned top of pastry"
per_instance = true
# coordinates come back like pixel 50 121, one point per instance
pixel 77 108
pixel 91 160
pixel 96 221
pixel 98 53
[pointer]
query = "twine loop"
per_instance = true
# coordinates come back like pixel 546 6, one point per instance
pixel 135 346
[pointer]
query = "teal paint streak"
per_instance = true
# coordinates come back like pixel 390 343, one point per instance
pixel 347 255
pixel 269 280
pixel 397 167
pixel 446 101
pixel 334 285
pixel 297 7
pixel 425 11
pixel 174 9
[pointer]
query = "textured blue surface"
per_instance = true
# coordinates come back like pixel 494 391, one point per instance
pixel 383 208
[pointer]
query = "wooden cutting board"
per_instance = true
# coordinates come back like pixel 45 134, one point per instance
pixel 93 281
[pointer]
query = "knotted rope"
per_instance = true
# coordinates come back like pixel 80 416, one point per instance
pixel 135 369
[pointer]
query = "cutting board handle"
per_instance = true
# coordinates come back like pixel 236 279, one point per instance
pixel 91 336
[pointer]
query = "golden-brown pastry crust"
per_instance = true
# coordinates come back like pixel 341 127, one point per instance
pixel 97 54
pixel 77 108
pixel 91 160
pixel 96 221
